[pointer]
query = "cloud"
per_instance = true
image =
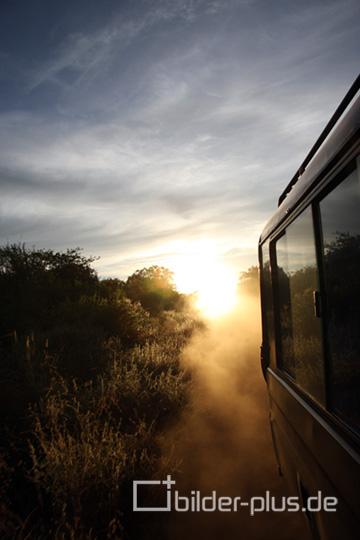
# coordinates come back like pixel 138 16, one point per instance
pixel 173 119
pixel 84 59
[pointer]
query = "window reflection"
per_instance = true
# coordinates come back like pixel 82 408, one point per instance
pixel 301 343
pixel 267 302
pixel 341 235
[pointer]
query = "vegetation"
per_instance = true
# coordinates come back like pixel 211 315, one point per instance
pixel 89 381
pixel 154 288
pixel 248 282
pixel 342 263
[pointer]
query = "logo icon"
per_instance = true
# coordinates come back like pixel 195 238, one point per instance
pixel 168 482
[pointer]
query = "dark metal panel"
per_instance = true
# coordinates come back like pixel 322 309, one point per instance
pixel 347 132
pixel 323 450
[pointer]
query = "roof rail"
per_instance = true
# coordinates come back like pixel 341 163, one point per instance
pixel 333 120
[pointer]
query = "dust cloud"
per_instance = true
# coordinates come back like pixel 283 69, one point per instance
pixel 223 441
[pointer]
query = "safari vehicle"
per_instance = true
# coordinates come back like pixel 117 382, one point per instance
pixel 309 255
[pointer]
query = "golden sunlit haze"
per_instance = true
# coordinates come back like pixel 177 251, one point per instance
pixel 210 278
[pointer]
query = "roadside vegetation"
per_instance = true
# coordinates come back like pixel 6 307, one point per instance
pixel 89 381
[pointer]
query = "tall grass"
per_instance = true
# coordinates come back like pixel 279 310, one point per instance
pixel 86 442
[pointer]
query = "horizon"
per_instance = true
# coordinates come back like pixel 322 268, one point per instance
pixel 163 132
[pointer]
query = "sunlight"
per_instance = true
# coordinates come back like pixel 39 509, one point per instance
pixel 216 294
pixel 213 282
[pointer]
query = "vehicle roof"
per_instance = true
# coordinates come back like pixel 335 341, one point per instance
pixel 342 133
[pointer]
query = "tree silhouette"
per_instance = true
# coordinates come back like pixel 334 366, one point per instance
pixel 248 282
pixel 34 281
pixel 342 264
pixel 154 288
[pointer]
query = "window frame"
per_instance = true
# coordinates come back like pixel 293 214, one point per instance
pixel 340 171
pixel 277 312
pixel 331 186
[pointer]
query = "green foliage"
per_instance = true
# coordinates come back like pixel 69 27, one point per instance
pixel 342 263
pixel 154 288
pixel 34 282
pixel 89 381
pixel 87 442
pixel 90 441
pixel 345 247
pixel 58 298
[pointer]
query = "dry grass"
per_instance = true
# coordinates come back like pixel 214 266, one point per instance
pixel 87 442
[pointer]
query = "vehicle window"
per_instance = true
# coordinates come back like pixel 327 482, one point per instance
pixel 341 237
pixel 300 329
pixel 267 300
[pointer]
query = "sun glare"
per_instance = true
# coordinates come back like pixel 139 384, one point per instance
pixel 212 281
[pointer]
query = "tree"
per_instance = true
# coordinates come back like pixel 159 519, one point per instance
pixel 342 264
pixel 33 282
pixel 154 288
pixel 248 282
pixel 19 263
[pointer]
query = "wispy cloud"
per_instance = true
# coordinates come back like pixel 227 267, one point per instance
pixel 176 119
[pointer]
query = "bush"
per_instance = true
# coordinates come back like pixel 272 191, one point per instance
pixel 90 441
pixel 89 382
pixel 34 282
pixel 86 442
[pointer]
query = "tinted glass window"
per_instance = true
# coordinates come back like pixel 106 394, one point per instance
pixel 267 302
pixel 300 329
pixel 341 236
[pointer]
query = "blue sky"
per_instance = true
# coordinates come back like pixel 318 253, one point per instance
pixel 146 131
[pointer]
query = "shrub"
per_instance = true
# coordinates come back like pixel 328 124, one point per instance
pixel 91 441
pixel 89 382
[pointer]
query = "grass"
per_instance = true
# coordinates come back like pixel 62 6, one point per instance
pixel 67 472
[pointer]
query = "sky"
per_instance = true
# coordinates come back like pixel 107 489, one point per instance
pixel 162 131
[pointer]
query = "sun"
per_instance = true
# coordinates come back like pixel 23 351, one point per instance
pixel 216 294
pixel 213 283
